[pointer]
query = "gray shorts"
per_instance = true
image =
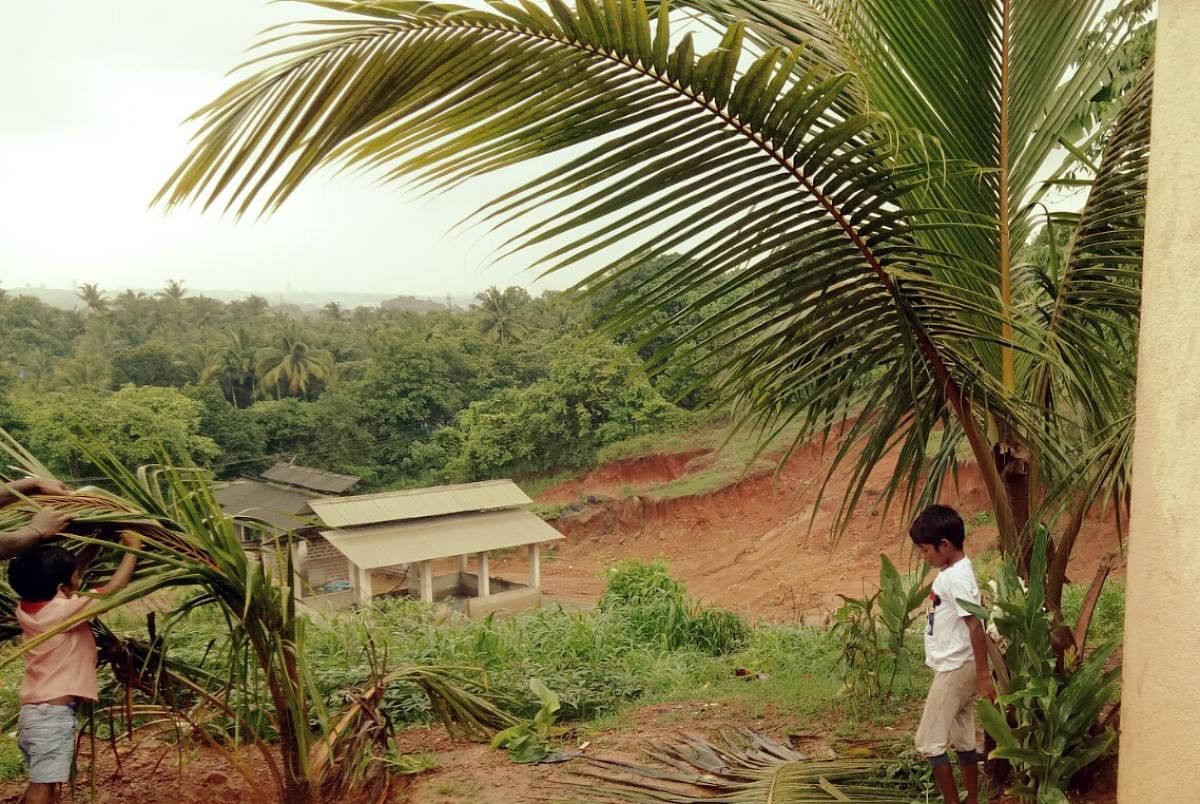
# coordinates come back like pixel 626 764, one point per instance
pixel 46 735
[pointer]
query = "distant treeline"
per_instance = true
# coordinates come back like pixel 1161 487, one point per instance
pixel 513 385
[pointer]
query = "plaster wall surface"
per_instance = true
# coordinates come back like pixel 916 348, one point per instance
pixel 1160 712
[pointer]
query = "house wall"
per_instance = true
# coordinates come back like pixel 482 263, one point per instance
pixel 512 600
pixel 1160 693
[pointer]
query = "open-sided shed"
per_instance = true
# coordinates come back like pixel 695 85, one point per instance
pixel 414 528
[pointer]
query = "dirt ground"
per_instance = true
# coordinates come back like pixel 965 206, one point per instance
pixel 466 773
pixel 748 546
pixel 755 546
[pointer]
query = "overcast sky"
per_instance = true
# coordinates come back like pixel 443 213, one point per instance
pixel 91 109
pixel 91 106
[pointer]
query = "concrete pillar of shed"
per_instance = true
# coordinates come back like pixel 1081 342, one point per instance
pixel 360 579
pixel 535 566
pixel 1160 707
pixel 426 568
pixel 299 549
pixel 485 585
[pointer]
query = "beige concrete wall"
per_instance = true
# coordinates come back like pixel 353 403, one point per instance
pixel 1160 739
pixel 508 602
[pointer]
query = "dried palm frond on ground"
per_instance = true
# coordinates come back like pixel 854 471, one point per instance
pixel 355 752
pixel 701 771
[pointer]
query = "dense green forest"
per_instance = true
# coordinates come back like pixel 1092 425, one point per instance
pixel 514 385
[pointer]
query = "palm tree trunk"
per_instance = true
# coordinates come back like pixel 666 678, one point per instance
pixel 283 683
pixel 1011 460
pixel 1056 575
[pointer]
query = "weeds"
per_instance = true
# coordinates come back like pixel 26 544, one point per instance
pixel 874 632
pixel 660 610
pixel 528 741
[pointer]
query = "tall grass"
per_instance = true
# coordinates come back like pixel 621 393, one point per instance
pixel 659 610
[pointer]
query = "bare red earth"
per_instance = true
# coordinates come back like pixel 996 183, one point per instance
pixel 761 545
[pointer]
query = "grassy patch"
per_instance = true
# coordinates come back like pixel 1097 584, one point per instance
pixel 12 763
pixel 702 429
pixel 1109 619
pixel 649 644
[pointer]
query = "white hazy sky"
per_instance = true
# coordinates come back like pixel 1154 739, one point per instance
pixel 91 109
pixel 91 106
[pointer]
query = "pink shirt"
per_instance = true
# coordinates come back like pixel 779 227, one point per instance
pixel 65 664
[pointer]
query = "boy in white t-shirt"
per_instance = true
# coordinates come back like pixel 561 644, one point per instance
pixel 956 649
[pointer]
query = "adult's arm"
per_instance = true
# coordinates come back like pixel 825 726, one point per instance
pixel 30 485
pixel 45 524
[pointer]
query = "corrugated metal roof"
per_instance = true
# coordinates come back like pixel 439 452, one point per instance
pixel 286 509
pixel 309 478
pixel 393 506
pixel 372 546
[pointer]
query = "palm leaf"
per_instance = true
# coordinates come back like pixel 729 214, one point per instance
pixel 762 166
pixel 746 768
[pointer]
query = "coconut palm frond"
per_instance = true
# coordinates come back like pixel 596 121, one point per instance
pixel 1093 325
pixel 846 185
pixel 798 206
pixel 744 769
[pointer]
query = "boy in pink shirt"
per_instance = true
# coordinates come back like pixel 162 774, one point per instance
pixel 61 671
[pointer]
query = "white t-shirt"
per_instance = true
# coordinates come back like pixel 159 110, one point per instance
pixel 947 638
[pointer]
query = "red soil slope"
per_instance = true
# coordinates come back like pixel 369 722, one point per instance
pixel 749 546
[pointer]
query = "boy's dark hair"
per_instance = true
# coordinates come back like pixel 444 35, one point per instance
pixel 938 522
pixel 36 574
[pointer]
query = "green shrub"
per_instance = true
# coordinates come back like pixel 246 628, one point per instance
pixel 874 632
pixel 1047 720
pixel 660 610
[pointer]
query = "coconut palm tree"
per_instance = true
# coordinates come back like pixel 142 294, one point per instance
pixel 239 368
pixel 86 370
pixel 853 180
pixel 291 364
pixel 173 291
pixel 93 297
pixel 200 362
pixel 502 313
pixel 333 311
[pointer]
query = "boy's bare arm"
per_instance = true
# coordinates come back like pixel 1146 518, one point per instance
pixel 983 677
pixel 124 573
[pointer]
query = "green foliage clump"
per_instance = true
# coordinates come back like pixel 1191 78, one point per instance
pixel 527 741
pixel 590 399
pixel 661 612
pixel 874 632
pixel 138 424
pixel 1048 719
